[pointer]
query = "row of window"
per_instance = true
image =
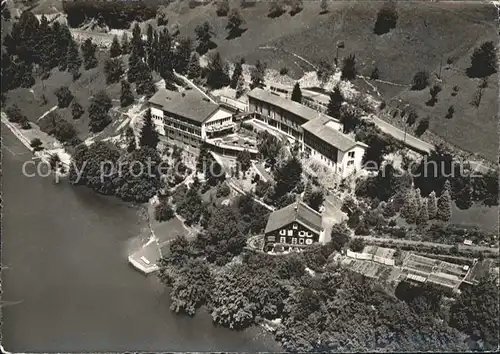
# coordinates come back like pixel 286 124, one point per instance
pixel 290 233
pixel 295 240
pixel 218 122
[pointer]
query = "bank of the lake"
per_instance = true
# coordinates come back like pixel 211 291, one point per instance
pixel 66 282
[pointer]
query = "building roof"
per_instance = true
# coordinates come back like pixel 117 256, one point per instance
pixel 298 212
pixel 318 127
pixel 188 104
pixel 286 104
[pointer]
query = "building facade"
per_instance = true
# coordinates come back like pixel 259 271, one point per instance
pixel 293 227
pixel 188 118
pixel 319 135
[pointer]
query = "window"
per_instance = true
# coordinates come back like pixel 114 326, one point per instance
pixel 271 238
pixel 294 241
pixel 309 234
pixel 283 232
pixel 290 232
pixel 295 226
pixel 282 239
pixel 350 163
pixel 351 154
pixel 302 233
pixel 309 241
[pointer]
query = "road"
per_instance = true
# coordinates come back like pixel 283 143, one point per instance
pixel 428 244
pixel 398 134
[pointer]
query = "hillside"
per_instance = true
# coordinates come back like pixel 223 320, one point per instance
pixel 427 34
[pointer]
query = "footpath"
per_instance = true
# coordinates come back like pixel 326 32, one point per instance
pixel 50 145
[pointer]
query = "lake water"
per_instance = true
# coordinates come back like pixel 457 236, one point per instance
pixel 67 285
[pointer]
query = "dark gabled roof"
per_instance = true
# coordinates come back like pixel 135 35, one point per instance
pixel 187 104
pixel 295 212
pixel 318 127
pixel 286 104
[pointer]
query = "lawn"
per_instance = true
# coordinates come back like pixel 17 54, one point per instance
pixel 477 215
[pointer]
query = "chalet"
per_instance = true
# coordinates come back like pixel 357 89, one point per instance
pixel 188 117
pixel 320 136
pixel 293 227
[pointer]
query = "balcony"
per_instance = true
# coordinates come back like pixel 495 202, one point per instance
pixel 218 128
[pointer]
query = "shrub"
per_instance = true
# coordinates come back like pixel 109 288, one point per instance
pixel 349 68
pixel 374 74
pixel 64 96
pixel 36 144
pixel 223 190
pixel 420 80
pixel 276 9
pixel 450 113
pixel 76 110
pixel 14 114
pixel 25 124
pixel 455 90
pixel 357 245
pixel 382 105
pixel 284 71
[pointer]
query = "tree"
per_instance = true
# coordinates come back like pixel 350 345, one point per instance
pixel 349 68
pixel 204 34
pixel 276 9
pixel 193 68
pixel 422 127
pixel 335 102
pixel 412 117
pixel 88 52
pixel 420 80
pixel 234 22
pixel 115 50
pixel 443 212
pixel 245 160
pixel 149 134
pixel 76 110
pixel 410 209
pixel 64 96
pixel 125 45
pixel 183 54
pixel 164 211
pixel 296 93
pixel 288 178
pixel 483 61
pixel 324 7
pixel 350 118
pixel 126 95
pixel 314 198
pixel 476 313
pixel 375 74
pixel 450 112
pixel 222 7
pixel 240 87
pixel 357 245
pixel 144 83
pixel 387 18
pixel 192 288
pixel 434 90
pixel 296 7
pixel 339 236
pixel 432 205
pixel 217 75
pixel 73 57
pixel 237 72
pixel 98 112
pixel 36 144
pixel 6 14
pixel 114 70
pixel 257 74
pixel 423 214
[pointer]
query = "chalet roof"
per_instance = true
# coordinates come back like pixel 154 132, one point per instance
pixel 319 127
pixel 286 104
pixel 297 211
pixel 187 104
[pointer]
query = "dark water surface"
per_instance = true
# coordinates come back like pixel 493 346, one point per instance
pixel 67 285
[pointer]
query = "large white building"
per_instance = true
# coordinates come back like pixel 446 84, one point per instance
pixel 320 135
pixel 189 118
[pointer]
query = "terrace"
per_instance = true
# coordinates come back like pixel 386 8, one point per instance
pixel 234 143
